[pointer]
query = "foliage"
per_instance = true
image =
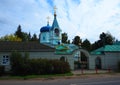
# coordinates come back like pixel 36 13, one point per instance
pixel 77 41
pixel 22 65
pixel 2 70
pixel 17 63
pixel 86 45
pixel 105 39
pixel 18 33
pixel 34 38
pixel 24 35
pixel 10 38
pixel 64 37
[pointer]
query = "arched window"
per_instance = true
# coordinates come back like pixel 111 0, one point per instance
pixel 56 32
pixel 43 37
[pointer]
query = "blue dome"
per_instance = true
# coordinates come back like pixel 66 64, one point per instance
pixel 45 28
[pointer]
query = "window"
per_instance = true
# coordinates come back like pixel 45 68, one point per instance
pixel 57 32
pixel 5 60
pixel 43 37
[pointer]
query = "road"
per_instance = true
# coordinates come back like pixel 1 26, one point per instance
pixel 71 81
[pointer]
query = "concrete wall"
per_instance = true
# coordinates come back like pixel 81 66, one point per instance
pixel 109 60
pixel 46 55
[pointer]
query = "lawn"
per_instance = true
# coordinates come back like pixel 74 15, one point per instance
pixel 50 76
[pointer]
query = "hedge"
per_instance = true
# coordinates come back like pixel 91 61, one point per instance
pixel 2 70
pixel 22 65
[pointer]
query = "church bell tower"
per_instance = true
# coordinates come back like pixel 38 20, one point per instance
pixel 55 31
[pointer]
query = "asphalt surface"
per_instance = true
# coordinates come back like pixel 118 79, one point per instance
pixel 81 80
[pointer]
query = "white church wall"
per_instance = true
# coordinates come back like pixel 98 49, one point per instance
pixel 44 37
pixel 112 60
pixel 92 61
pixel 92 64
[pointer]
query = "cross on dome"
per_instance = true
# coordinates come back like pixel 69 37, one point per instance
pixel 55 8
pixel 48 18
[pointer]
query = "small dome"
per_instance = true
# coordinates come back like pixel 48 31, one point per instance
pixel 45 28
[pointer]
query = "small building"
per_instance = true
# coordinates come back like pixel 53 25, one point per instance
pixel 106 57
pixel 37 50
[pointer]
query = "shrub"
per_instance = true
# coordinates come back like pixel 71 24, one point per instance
pixel 19 64
pixel 22 65
pixel 2 70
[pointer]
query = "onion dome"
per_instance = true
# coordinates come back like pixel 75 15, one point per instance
pixel 45 28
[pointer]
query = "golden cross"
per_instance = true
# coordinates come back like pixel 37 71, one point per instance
pixel 48 18
pixel 55 8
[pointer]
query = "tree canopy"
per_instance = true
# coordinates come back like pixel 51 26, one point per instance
pixel 86 45
pixel 104 39
pixel 10 38
pixel 19 35
pixel 77 41
pixel 64 38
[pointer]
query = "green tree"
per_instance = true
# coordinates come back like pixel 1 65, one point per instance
pixel 77 41
pixel 104 39
pixel 34 38
pixel 19 33
pixel 10 38
pixel 68 41
pixel 86 45
pixel 29 36
pixel 23 35
pixel 64 37
pixel 107 38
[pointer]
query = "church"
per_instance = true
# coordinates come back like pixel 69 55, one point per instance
pixel 51 47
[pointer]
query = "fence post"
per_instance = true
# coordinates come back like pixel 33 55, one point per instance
pixel 82 71
pixel 109 70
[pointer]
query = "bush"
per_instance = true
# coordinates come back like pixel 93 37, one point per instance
pixel 22 65
pixel 2 70
pixel 19 64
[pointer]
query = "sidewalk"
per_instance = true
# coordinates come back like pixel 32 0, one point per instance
pixel 89 71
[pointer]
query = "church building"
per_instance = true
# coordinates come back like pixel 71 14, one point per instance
pixel 51 34
pixel 48 47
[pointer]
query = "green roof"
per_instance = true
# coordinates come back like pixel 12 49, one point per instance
pixel 107 48
pixel 65 49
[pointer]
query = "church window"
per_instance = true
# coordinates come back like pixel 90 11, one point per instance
pixel 56 32
pixel 5 60
pixel 43 37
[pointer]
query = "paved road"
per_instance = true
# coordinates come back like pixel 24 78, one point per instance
pixel 72 81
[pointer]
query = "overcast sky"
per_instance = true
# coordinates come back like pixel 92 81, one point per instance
pixel 85 18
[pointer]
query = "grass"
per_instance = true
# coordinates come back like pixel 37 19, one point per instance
pixel 50 76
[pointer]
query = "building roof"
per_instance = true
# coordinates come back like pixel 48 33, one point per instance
pixel 55 23
pixel 65 49
pixel 107 48
pixel 45 28
pixel 8 46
